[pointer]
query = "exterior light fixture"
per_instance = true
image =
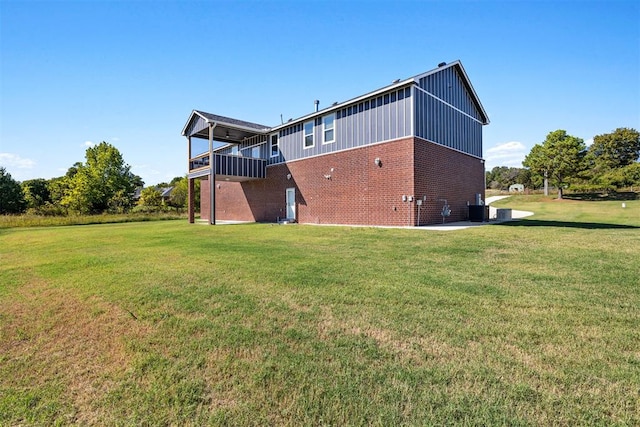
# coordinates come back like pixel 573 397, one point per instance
pixel 288 176
pixel 378 162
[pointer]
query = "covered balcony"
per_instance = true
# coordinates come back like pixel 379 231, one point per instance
pixel 228 167
pixel 222 148
pixel 238 148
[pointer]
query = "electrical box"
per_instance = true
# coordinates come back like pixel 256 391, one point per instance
pixel 419 202
pixel 411 198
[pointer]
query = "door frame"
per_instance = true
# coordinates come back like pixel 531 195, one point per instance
pixel 291 190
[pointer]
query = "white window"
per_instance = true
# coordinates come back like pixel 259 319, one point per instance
pixel 274 145
pixel 308 134
pixel 328 123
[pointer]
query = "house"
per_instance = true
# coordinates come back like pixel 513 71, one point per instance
pixel 406 154
pixel 165 193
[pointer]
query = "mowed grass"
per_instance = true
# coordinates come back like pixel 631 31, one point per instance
pixel 165 323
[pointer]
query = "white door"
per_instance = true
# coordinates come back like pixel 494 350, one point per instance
pixel 291 203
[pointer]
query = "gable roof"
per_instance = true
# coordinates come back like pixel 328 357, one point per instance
pixel 224 121
pixel 248 126
pixel 396 85
pixel 229 121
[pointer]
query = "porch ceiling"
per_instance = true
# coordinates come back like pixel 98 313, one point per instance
pixel 226 129
pixel 225 133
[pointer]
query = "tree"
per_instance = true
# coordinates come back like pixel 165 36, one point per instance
pixel 137 181
pixel 120 202
pixel 58 188
pixel 609 157
pixel 11 195
pixel 179 194
pixel 73 170
pixel 628 176
pixel 559 158
pixel 502 177
pixel 36 192
pixel 615 150
pixel 524 177
pixel 150 199
pixel 104 177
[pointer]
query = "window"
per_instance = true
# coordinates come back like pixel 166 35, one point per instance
pixel 234 150
pixel 308 135
pixel 328 124
pixel 274 145
pixel 255 152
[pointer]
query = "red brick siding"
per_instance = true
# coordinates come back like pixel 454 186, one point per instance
pixel 358 191
pixel 204 199
pixel 442 173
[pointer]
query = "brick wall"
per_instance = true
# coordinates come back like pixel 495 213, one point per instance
pixel 349 188
pixel 442 173
pixel 204 199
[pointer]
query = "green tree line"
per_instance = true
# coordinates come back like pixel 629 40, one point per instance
pixel 104 183
pixel 609 164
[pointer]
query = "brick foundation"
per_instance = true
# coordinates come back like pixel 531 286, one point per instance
pixel 349 188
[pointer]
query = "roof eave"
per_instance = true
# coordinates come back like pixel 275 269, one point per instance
pixel 337 106
pixel 264 130
pixel 186 125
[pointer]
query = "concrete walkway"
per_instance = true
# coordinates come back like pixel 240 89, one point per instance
pixel 449 226
pixel 461 225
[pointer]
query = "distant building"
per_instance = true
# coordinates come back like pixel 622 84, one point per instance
pixel 516 188
pixel 393 156
pixel 165 192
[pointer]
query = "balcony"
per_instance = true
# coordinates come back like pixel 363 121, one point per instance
pixel 229 167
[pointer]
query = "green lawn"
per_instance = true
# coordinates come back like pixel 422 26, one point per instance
pixel 165 323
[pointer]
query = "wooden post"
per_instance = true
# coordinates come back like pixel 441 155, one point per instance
pixel 192 200
pixel 212 178
pixel 190 187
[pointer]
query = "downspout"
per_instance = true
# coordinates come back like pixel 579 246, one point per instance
pixel 212 178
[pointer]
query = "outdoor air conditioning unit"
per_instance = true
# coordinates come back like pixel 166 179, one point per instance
pixel 503 214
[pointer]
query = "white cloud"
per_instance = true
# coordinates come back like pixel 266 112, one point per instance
pixel 509 154
pixel 588 142
pixel 88 144
pixel 507 147
pixel 14 161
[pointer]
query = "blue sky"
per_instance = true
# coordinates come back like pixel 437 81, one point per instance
pixel 75 73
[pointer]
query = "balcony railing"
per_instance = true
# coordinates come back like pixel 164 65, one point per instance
pixel 231 166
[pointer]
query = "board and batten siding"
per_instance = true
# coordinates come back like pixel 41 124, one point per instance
pixel 446 114
pixel 439 107
pixel 196 126
pixel 381 118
